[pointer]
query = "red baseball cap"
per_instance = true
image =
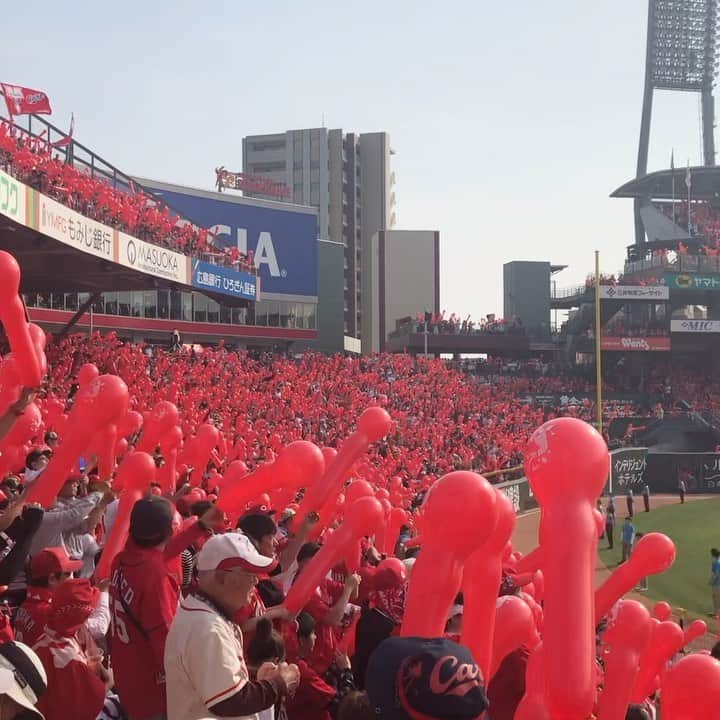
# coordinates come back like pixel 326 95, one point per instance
pixel 52 560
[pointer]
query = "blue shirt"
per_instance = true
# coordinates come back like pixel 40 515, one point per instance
pixel 715 572
pixel 628 533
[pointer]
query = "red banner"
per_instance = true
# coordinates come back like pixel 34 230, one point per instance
pixel 635 344
pixel 25 101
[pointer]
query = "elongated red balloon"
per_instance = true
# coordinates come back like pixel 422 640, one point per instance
pixel 104 442
pixel 163 417
pixel 533 706
pixel 567 464
pixel 17 329
pixel 298 465
pixel 667 638
pixel 24 429
pixel 653 554
pixel 373 425
pixel 481 585
pixel 362 518
pixel 398 517
pixel 458 515
pixel 691 689
pixel 697 629
pixel 514 627
pixel 169 446
pixel 135 473
pixel 661 610
pixel 102 402
pixel 10 383
pixel 626 638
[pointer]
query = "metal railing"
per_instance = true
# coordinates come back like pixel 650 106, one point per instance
pixel 35 128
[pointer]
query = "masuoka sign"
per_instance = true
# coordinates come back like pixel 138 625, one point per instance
pixel 152 259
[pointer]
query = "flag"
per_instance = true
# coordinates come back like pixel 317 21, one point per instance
pixel 688 177
pixel 25 101
pixel 64 142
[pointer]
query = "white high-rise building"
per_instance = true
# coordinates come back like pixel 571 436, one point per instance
pixel 347 176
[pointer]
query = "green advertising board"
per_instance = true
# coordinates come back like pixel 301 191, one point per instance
pixel 692 281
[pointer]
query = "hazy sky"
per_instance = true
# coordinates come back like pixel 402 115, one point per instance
pixel 512 121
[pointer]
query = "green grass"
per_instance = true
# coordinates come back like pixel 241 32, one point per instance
pixel 694 528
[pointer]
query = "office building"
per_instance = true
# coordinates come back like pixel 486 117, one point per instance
pixel 401 277
pixel 347 176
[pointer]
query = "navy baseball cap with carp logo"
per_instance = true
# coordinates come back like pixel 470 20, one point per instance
pixel 412 678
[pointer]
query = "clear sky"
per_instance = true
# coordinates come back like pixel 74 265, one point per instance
pixel 512 121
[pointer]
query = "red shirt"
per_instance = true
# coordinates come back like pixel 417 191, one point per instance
pixel 319 606
pixel 32 615
pixel 312 698
pixel 150 591
pixel 507 687
pixel 72 685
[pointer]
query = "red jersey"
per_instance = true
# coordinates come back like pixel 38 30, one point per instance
pixel 32 615
pixel 71 684
pixel 144 597
pixel 312 697
pixel 319 605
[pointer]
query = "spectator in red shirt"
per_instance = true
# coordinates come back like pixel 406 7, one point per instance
pixel 143 602
pixel 315 697
pixel 330 608
pixel 49 569
pixel 76 682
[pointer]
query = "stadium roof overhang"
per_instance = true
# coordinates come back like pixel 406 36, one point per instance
pixel 51 266
pixel 705 185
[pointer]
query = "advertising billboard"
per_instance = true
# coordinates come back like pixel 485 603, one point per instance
pixel 152 259
pixel 634 292
pixel 12 198
pixel 224 280
pixel 73 229
pixel 284 241
pixel 635 344
pixel 695 326
pixel 680 281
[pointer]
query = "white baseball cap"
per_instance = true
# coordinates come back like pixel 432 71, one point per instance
pixel 22 676
pixel 224 552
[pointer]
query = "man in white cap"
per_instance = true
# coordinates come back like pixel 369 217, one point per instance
pixel 22 682
pixel 204 667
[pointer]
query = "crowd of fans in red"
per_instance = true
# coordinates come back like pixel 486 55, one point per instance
pixel 36 164
pixel 446 416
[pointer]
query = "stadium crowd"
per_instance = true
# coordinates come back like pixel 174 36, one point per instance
pixel 38 165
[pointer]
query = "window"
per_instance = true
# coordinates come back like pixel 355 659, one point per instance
pixel 111 303
pixel 150 303
pixel 274 315
pixel 199 308
pixel 310 316
pixel 286 312
pixel 176 305
pixel 300 315
pixel 225 315
pixel 261 310
pixel 213 311
pixel 163 304
pixel 268 145
pixel 71 301
pixel 57 301
pixel 136 303
pixel 124 303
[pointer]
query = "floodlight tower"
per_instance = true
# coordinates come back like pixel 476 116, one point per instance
pixel 681 56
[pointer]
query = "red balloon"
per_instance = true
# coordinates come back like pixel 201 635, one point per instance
pixel 136 473
pixel 533 706
pixel 298 465
pixel 653 554
pixel 666 639
pixel 169 446
pixel 514 627
pixel 662 610
pixel 39 340
pixel 697 629
pixel 13 317
pixel 102 402
pixel 626 638
pixel 87 373
pixel 691 689
pixel 103 445
pixel 130 424
pixel 481 584
pixel 373 424
pixel 10 383
pixel 458 515
pixel 163 417
pixel 567 465
pixel 24 429
pixel 362 518
pixel 398 517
